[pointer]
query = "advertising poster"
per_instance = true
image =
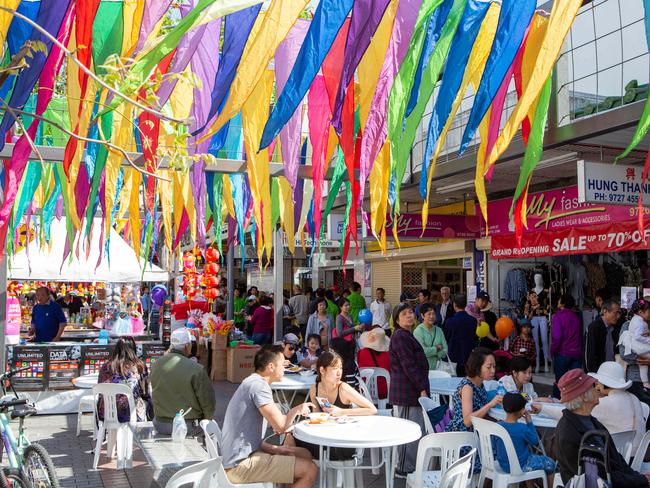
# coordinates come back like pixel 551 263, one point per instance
pixel 93 357
pixel 35 359
pixel 12 328
pixel 151 352
pixel 63 365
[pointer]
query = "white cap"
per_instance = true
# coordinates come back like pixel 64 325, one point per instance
pixel 180 337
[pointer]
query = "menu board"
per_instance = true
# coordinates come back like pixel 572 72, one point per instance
pixel 63 365
pixel 32 357
pixel 93 357
pixel 151 352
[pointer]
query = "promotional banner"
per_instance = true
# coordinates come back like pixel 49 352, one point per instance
pixel 438 226
pixel 555 210
pixel 14 319
pixel 597 239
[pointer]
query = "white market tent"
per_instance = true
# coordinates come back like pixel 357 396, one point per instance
pixel 121 265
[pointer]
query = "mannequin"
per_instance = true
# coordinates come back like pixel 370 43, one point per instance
pixel 537 310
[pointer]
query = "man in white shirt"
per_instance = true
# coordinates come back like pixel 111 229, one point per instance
pixel 299 303
pixel 380 309
pixel 446 308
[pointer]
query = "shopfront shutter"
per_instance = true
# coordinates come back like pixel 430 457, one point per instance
pixel 388 275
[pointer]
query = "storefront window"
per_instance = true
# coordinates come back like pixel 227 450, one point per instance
pixel 433 275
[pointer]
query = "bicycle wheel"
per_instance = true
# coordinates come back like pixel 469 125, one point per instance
pixel 39 467
pixel 14 478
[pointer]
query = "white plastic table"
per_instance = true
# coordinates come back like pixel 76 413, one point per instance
pixel 366 432
pixel 291 383
pixel 548 417
pixel 444 386
pixel 86 382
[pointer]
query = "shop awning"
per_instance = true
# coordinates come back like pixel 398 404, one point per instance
pixel 119 265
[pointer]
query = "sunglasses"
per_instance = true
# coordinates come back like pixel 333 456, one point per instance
pixel 292 347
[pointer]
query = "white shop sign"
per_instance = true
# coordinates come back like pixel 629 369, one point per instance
pixel 611 184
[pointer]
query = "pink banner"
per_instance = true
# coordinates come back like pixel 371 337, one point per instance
pixel 438 226
pixel 12 327
pixel 554 210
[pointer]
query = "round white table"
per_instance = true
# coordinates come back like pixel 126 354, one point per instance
pixel 86 382
pixel 365 432
pixel 291 383
pixel 548 417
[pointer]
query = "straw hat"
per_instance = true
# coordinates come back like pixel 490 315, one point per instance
pixel 375 339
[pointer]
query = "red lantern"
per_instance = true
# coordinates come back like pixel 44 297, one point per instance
pixel 211 269
pixel 191 292
pixel 211 293
pixel 211 255
pixel 210 281
pixel 504 327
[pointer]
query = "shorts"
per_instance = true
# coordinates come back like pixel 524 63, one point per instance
pixel 537 461
pixel 262 467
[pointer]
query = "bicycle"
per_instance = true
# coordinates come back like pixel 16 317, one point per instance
pixel 30 466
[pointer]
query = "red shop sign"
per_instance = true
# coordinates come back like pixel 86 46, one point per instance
pixel 606 238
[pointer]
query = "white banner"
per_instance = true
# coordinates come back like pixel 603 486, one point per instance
pixel 611 184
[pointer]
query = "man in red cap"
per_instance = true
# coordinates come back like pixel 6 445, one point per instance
pixel 579 398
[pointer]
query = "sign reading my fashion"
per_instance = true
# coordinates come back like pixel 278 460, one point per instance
pixel 554 210
pixel 409 225
pixel 597 239
pixel 613 184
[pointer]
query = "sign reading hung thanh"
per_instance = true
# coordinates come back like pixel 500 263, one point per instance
pixel 613 184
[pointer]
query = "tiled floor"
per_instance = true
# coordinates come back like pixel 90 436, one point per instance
pixel 73 459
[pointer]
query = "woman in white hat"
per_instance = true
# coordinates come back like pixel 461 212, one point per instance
pixel 618 410
pixel 373 353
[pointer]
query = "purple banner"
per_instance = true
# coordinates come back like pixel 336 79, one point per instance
pixel 409 225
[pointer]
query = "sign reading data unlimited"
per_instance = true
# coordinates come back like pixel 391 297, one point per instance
pixel 613 184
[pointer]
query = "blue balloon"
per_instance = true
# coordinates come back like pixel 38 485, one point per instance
pixel 365 316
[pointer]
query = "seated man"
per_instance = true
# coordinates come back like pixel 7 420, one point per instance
pixel 246 457
pixel 180 383
pixel 579 398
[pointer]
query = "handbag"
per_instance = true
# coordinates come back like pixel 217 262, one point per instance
pixel 442 365
pixel 591 457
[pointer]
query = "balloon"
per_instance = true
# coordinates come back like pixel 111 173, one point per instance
pixel 365 316
pixel 158 295
pixel 482 330
pixel 504 327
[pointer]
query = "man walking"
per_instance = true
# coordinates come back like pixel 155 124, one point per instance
pixel 299 303
pixel 602 337
pixel 446 308
pixel 381 310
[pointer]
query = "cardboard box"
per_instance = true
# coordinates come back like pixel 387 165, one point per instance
pixel 219 341
pixel 219 365
pixel 240 363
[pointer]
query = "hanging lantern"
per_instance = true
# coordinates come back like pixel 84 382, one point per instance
pixel 211 255
pixel 211 269
pixel 211 293
pixel 210 281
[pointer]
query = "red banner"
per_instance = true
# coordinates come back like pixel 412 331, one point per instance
pixel 605 238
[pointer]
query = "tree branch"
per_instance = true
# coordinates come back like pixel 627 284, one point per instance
pixel 89 72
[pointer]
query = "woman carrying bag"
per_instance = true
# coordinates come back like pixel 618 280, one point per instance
pixel 431 337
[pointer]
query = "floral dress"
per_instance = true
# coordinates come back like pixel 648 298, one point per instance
pixel 139 384
pixel 479 400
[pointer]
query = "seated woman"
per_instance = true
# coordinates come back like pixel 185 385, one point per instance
pixel 126 368
pixel 470 399
pixel 579 398
pixel 374 354
pixel 333 396
pixel 520 379
pixel 345 349
pixel 618 410
pixel 307 356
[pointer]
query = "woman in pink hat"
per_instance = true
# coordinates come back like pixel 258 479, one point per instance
pixel 579 396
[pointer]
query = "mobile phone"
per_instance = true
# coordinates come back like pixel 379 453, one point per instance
pixel 323 402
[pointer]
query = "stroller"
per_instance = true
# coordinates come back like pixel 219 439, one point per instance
pixel 593 462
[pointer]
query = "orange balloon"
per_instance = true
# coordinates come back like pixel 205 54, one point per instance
pixel 504 327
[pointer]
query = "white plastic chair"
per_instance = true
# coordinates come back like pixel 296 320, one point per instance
pixel 370 376
pixel 86 403
pixel 213 439
pixel 458 474
pixel 200 475
pixel 646 410
pixel 427 404
pixel 486 429
pixel 212 434
pixel 364 390
pixel 118 434
pixel 447 446
pixel 637 463
pixel 623 442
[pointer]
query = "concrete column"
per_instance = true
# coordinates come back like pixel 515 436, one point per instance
pixel 278 279
pixel 3 311
pixel 230 270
